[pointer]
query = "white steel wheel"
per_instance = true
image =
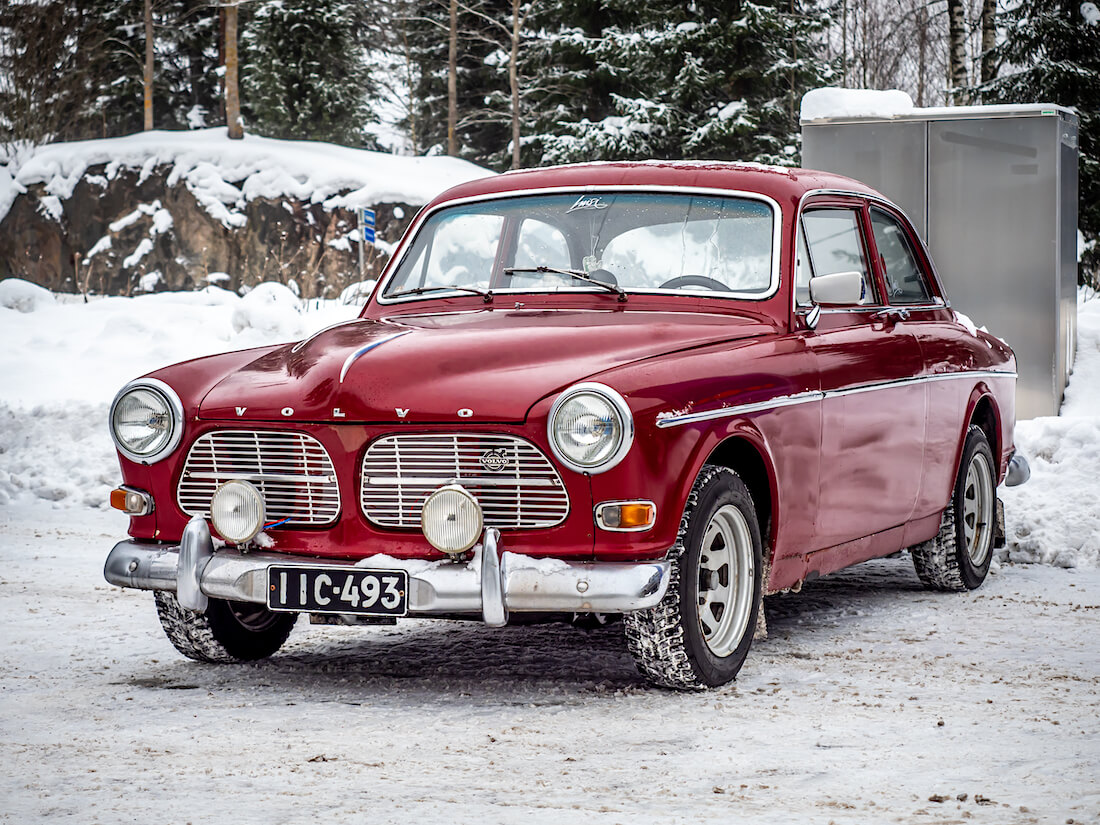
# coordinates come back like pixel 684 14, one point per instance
pixel 978 509
pixel 699 635
pixel 727 571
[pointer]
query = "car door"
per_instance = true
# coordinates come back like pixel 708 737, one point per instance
pixel 912 289
pixel 873 413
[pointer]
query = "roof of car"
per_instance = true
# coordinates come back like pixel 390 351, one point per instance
pixel 778 182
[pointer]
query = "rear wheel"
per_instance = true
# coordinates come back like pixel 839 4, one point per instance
pixel 700 633
pixel 227 632
pixel 958 557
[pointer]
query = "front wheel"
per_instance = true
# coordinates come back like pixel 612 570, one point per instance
pixel 227 632
pixel 699 634
pixel 958 557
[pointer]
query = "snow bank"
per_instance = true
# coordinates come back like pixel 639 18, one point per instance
pixel 224 174
pixel 272 310
pixel 67 351
pixel 834 102
pixel 23 296
pixel 1055 517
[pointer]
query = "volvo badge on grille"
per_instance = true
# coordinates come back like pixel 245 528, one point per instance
pixel 493 460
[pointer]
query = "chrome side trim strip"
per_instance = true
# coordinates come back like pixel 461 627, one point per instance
pixel 669 420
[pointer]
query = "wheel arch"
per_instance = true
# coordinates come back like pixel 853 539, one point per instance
pixel 984 413
pixel 745 454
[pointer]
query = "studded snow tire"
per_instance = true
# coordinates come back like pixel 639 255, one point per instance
pixel 226 633
pixel 958 558
pixel 699 634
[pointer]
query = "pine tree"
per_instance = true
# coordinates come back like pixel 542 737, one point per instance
pixel 1051 54
pixel 701 80
pixel 53 62
pixel 305 76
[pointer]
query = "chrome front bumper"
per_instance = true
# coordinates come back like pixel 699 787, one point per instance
pixel 491 584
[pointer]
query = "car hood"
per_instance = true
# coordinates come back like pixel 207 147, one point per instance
pixel 486 366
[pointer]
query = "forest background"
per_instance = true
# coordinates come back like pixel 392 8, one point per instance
pixel 509 84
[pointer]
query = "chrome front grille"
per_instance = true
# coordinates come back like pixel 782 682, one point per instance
pixel 513 481
pixel 291 470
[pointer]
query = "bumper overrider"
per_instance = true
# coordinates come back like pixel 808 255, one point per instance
pixel 491 584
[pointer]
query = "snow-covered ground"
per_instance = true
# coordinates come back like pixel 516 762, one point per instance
pixel 871 700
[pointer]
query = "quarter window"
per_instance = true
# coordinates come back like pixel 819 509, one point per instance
pixel 904 280
pixel 836 245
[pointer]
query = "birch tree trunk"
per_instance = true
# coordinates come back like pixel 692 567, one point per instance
pixel 232 69
pixel 989 39
pixel 513 80
pixel 956 42
pixel 452 81
pixel 147 75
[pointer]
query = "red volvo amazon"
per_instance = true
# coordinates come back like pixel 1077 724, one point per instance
pixel 651 390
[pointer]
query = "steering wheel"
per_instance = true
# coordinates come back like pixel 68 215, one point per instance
pixel 604 275
pixel 694 280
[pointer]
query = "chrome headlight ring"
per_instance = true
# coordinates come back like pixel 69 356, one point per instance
pixel 166 415
pixel 614 427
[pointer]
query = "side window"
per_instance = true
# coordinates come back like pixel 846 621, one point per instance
pixel 836 245
pixel 904 280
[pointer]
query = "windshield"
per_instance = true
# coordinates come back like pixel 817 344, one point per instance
pixel 633 241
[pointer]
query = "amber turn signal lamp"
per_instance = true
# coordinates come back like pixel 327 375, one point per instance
pixel 626 516
pixel 131 501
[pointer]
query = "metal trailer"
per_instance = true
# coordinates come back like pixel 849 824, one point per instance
pixel 993 192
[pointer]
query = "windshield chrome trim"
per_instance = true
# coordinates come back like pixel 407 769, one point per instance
pixel 406 242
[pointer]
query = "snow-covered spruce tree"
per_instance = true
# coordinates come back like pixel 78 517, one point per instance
pixel 304 72
pixel 185 83
pixel 1051 54
pixel 482 131
pixel 52 64
pixel 701 80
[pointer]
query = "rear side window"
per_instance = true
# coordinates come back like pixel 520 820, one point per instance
pixel 836 245
pixel 905 282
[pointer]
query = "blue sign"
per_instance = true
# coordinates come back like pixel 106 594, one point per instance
pixel 367 220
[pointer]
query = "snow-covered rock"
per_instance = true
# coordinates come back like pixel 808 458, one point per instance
pixel 23 296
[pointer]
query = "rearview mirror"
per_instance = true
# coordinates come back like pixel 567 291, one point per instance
pixel 837 289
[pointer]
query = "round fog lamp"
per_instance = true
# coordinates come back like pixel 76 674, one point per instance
pixel 451 520
pixel 237 511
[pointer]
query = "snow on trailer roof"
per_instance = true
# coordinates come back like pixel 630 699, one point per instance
pixel 781 183
pixel 834 105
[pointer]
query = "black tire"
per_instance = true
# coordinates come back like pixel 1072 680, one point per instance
pixel 226 633
pixel 700 633
pixel 958 558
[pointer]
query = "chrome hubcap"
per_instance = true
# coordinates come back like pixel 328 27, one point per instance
pixel 726 580
pixel 977 509
pixel 254 617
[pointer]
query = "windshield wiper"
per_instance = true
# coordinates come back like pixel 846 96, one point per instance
pixel 572 273
pixel 486 295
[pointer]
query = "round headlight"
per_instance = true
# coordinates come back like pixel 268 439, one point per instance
pixel 590 428
pixel 237 511
pixel 451 519
pixel 146 420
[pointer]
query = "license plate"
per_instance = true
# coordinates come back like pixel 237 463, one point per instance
pixel 337 590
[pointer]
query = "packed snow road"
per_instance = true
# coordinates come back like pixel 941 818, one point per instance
pixel 871 701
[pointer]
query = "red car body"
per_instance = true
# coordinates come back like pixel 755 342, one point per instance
pixel 846 424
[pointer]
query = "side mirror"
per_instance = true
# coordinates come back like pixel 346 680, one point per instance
pixel 838 289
